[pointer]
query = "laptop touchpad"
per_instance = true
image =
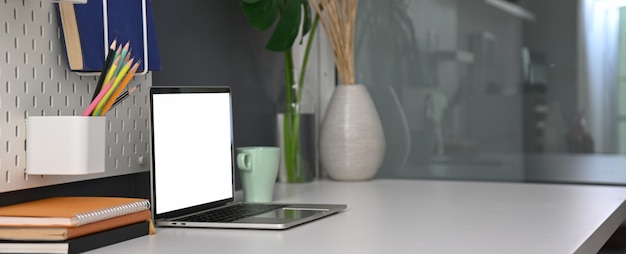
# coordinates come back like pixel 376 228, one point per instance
pixel 280 215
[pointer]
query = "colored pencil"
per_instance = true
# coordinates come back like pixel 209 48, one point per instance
pixel 107 64
pixel 111 70
pixel 125 95
pixel 130 53
pixel 122 58
pixel 120 87
pixel 98 98
pixel 108 80
pixel 116 81
pixel 116 62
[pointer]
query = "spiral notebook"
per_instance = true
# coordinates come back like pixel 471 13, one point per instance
pixel 193 171
pixel 69 211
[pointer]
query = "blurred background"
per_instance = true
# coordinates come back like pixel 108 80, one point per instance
pixel 497 90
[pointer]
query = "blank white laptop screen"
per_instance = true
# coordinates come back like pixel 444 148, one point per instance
pixel 192 149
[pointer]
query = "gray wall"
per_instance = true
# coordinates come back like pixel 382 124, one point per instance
pixel 211 43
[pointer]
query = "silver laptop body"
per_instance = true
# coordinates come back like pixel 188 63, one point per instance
pixel 192 168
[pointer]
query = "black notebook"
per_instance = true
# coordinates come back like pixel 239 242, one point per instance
pixel 80 244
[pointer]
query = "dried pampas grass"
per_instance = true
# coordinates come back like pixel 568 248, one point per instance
pixel 339 19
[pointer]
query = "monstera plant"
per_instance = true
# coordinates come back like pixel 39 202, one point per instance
pixel 290 20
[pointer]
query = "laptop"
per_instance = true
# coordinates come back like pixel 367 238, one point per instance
pixel 193 170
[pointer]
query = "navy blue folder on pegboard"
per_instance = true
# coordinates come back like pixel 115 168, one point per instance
pixel 89 29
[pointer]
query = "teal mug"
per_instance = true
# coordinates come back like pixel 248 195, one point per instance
pixel 258 168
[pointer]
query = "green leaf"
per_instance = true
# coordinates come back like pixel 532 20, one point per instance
pixel 287 28
pixel 260 13
pixel 306 20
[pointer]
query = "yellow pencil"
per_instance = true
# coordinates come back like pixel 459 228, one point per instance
pixel 110 57
pixel 120 88
pixel 123 59
pixel 130 51
pixel 111 70
pixel 117 79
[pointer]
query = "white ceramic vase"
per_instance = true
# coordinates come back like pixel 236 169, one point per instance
pixel 352 142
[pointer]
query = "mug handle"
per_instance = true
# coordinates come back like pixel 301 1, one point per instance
pixel 243 161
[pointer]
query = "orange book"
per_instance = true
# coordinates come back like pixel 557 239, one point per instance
pixel 69 211
pixel 65 233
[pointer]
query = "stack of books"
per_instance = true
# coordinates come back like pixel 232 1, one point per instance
pixel 72 224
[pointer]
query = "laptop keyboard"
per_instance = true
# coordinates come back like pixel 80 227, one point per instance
pixel 232 213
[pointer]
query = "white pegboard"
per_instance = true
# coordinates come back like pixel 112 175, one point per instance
pixel 35 81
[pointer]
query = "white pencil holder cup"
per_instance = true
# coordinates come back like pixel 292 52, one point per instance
pixel 65 145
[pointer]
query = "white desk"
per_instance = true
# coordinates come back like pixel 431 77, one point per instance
pixel 411 216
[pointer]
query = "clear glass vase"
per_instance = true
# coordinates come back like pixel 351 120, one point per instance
pixel 296 135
